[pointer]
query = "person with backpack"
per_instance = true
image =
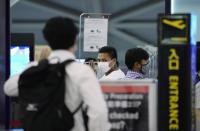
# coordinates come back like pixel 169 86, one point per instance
pixel 52 91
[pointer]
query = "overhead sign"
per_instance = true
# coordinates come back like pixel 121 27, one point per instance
pixel 174 29
pixel 132 105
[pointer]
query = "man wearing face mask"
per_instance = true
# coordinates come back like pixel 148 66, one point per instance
pixel 108 64
pixel 136 59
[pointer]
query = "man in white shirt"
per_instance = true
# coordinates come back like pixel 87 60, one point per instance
pixel 108 64
pixel 81 82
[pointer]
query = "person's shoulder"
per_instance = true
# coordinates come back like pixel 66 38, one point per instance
pixel 118 72
pixel 77 67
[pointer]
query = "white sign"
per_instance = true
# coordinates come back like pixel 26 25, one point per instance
pixel 131 104
pixel 95 34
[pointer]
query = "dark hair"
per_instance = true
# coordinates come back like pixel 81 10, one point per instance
pixel 110 50
pixel 60 33
pixel 135 55
pixel 89 59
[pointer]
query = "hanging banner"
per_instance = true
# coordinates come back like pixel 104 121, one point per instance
pixel 95 34
pixel 129 105
pixel 176 56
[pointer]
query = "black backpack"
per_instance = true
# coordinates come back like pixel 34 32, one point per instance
pixel 41 97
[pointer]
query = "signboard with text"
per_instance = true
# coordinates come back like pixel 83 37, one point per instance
pixel 95 34
pixel 129 105
pixel 176 56
pixel 175 29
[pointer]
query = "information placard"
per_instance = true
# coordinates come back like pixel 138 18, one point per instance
pixel 131 104
pixel 95 34
pixel 176 56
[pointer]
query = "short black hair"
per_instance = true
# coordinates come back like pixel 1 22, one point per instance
pixel 60 33
pixel 110 50
pixel 135 55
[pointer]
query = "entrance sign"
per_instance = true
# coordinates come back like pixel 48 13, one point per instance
pixel 176 56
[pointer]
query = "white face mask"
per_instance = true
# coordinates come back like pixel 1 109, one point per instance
pixel 103 67
pixel 146 70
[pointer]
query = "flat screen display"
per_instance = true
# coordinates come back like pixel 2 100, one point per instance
pixel 19 58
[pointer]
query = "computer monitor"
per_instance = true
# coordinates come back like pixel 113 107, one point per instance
pixel 21 51
pixel 19 58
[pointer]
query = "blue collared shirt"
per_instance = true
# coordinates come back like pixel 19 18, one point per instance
pixel 133 75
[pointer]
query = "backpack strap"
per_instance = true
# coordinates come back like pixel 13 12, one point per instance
pixel 66 62
pixel 79 107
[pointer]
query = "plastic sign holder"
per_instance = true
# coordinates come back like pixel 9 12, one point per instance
pixel 93 33
pixel 176 58
pixel 132 104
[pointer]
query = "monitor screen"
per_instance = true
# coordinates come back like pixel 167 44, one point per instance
pixel 19 58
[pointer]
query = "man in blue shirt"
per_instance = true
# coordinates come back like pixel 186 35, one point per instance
pixel 136 60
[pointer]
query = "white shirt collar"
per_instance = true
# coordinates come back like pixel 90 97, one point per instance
pixel 61 55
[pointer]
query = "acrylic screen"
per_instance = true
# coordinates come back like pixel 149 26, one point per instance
pixel 19 58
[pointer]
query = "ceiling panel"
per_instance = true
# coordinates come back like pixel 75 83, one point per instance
pixel 149 12
pixel 132 22
pixel 113 6
pixel 75 4
pixel 25 11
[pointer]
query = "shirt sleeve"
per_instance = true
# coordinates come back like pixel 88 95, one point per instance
pixel 11 86
pixel 93 98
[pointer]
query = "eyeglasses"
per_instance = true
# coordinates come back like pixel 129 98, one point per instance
pixel 91 63
pixel 145 64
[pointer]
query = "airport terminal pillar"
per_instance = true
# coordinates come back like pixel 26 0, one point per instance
pixel 176 58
